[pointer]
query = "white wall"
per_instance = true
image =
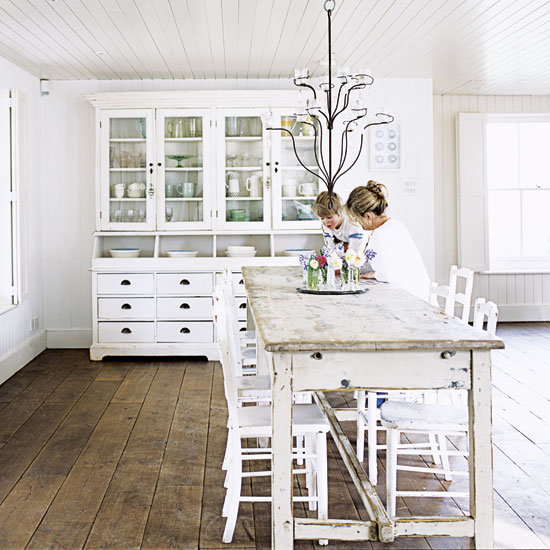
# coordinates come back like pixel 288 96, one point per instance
pixel 520 296
pixel 68 138
pixel 17 343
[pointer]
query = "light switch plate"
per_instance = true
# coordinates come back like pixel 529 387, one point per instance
pixel 409 187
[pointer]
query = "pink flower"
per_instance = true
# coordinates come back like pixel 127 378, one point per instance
pixel 322 261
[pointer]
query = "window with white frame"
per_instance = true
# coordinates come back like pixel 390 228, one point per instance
pixel 9 264
pixel 518 191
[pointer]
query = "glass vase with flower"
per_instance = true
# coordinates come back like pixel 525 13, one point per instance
pixel 313 274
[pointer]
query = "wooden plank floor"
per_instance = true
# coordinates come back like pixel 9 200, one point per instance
pixel 127 454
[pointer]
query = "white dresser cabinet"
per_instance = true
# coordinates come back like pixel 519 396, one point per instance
pixel 196 174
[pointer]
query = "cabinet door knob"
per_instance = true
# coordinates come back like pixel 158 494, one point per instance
pixel 126 331
pixel 185 306
pixel 185 282
pixel 125 282
pixel 185 330
pixel 126 306
pixel 242 306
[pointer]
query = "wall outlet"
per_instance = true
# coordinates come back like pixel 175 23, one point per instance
pixel 35 321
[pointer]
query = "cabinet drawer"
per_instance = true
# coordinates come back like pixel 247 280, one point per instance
pixel 192 332
pixel 184 283
pixel 126 308
pixel 241 305
pixel 238 283
pixel 126 332
pixel 184 308
pixel 125 283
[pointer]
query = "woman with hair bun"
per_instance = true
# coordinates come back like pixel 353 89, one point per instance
pixel 397 260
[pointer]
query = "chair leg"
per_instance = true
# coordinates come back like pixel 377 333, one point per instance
pixel 231 502
pixel 444 456
pixel 436 457
pixel 300 448
pixel 311 474
pixel 322 481
pixel 360 425
pixel 372 430
pixel 392 439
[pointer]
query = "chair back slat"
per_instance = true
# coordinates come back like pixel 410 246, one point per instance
pixel 485 311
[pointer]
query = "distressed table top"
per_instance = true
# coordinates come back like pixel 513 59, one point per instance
pixel 384 318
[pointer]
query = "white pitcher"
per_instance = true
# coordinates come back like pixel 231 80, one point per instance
pixel 254 186
pixel 232 185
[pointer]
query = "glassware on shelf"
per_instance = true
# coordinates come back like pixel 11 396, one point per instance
pixel 130 215
pixel 117 215
pixel 255 126
pixel 141 215
pixel 179 159
pixel 169 213
pixel 124 157
pixel 232 126
pixel 243 126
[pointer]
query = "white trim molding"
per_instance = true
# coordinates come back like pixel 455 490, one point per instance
pixel 25 352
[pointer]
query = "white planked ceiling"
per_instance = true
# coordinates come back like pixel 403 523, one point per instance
pixel 466 46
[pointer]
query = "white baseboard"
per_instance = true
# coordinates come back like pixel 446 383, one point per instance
pixel 17 358
pixel 69 339
pixel 524 313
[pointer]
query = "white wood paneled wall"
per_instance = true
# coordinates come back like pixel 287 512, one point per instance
pixel 520 296
pixel 15 325
pixel 68 161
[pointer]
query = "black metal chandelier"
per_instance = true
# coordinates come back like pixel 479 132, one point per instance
pixel 324 117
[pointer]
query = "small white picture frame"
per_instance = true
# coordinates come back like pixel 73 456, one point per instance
pixel 385 147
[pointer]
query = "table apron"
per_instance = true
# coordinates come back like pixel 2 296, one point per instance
pixel 338 370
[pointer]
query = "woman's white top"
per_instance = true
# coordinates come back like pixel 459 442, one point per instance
pixel 348 232
pixel 398 260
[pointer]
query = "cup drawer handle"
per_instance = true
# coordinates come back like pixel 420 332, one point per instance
pixel 242 306
pixel 126 331
pixel 243 329
pixel 185 330
pixel 185 306
pixel 185 282
pixel 125 306
pixel 241 282
pixel 125 282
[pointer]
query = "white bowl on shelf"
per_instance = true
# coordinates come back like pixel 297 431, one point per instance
pixel 298 251
pixel 232 248
pixel 240 254
pixel 125 252
pixel 181 253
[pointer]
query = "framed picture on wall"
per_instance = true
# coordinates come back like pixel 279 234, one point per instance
pixel 385 147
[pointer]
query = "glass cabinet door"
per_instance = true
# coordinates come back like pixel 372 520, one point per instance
pixel 243 171
pixel 294 188
pixel 126 181
pixel 184 171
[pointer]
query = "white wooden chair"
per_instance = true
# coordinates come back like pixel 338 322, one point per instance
pixel 246 356
pixel 255 422
pixel 250 388
pixel 435 419
pixel 451 296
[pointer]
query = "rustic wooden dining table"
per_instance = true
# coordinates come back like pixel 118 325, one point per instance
pixel 383 339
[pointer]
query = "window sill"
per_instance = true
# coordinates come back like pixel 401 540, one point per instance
pixel 6 308
pixel 516 271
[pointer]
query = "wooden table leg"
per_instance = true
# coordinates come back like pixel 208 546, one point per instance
pixel 481 451
pixel 282 520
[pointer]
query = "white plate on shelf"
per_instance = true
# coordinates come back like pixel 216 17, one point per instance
pixel 298 251
pixel 249 254
pixel 181 253
pixel 125 252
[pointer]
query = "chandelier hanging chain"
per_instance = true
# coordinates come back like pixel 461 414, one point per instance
pixel 317 114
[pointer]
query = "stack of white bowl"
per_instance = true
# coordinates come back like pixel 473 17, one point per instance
pixel 240 251
pixel 181 253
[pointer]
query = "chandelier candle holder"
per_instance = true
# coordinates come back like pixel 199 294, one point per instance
pixel 343 102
